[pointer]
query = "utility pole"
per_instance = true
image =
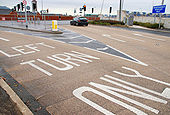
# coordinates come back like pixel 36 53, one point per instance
pixel 120 10
pixel 160 15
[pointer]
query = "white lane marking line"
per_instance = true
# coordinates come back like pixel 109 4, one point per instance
pixel 159 36
pixel 108 36
pixel 139 75
pixel 76 37
pixel 70 38
pixel 38 37
pixel 141 63
pixel 149 37
pixel 82 42
pixel 130 38
pixel 126 37
pixel 81 34
pixel 4 39
pixel 102 48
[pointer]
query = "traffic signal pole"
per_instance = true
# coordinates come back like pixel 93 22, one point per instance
pixel 26 17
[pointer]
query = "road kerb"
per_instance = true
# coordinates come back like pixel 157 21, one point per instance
pixel 14 97
pixel 50 32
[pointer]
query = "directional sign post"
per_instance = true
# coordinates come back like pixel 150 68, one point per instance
pixel 159 9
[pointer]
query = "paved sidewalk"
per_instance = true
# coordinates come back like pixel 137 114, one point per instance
pixel 25 102
pixel 38 27
pixel 7 106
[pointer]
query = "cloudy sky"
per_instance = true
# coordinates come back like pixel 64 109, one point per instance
pixel 68 6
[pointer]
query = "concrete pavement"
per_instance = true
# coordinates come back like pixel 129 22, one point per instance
pixel 73 79
pixel 45 27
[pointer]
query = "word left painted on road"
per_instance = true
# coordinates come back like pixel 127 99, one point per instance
pixel 26 49
pixel 66 61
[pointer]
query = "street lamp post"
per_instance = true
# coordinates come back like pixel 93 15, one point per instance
pixel 42 9
pixel 102 7
pixel 120 10
pixel 160 16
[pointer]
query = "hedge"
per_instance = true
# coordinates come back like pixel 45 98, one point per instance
pixel 148 25
pixel 106 22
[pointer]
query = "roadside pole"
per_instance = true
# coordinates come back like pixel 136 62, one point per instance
pixel 42 9
pixel 155 18
pixel 120 10
pixel 25 4
pixel 160 16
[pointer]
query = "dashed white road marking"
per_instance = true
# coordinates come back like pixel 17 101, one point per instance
pixel 130 38
pixel 102 48
pixel 4 39
pixel 76 37
pixel 149 37
pixel 71 37
pixel 108 36
pixel 82 42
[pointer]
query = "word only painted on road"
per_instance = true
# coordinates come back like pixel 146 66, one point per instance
pixel 126 88
pixel 65 61
pixel 26 49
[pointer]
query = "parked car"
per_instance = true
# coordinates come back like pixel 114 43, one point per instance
pixel 79 21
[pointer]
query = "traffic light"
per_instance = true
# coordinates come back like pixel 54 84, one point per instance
pixel 110 10
pixel 22 6
pixel 47 10
pixel 84 7
pixel 15 8
pixel 34 6
pixel 92 10
pixel 18 6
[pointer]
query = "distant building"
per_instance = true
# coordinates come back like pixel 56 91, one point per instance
pixel 5 10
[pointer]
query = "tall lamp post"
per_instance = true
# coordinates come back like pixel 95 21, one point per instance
pixel 102 7
pixel 42 9
pixel 120 10
pixel 160 16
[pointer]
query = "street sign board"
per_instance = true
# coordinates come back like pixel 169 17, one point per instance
pixel 159 9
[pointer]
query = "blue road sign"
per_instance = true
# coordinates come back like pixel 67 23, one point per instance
pixel 159 9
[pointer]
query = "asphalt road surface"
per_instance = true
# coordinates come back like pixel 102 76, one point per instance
pixel 91 70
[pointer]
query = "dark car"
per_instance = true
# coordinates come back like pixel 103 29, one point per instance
pixel 79 21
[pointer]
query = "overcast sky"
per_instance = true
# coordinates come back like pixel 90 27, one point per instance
pixel 67 6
